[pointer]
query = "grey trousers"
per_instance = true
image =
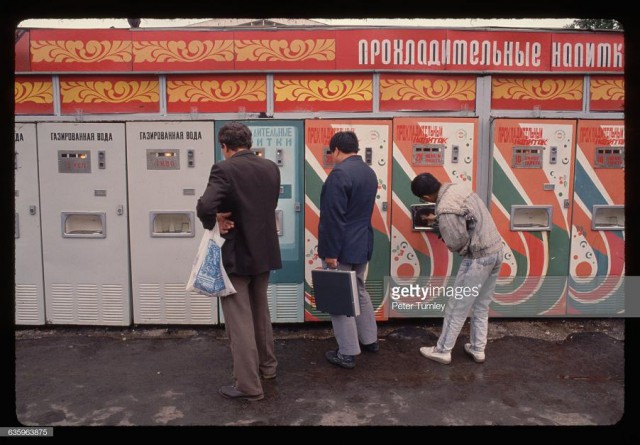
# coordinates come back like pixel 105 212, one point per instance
pixel 348 330
pixel 248 325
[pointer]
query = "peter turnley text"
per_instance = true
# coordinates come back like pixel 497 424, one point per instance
pixel 417 306
pixel 424 292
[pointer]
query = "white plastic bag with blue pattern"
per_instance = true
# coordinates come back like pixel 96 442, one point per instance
pixel 208 276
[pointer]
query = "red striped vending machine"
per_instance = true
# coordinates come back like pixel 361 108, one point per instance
pixel 374 137
pixel 531 205
pixel 446 148
pixel 597 265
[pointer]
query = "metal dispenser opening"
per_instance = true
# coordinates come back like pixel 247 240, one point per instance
pixel 418 211
pixel 531 218
pixel 171 224
pixel 84 225
pixel 607 217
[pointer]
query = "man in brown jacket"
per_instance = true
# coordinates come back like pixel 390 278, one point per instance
pixel 242 195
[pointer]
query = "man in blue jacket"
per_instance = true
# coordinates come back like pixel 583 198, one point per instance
pixel 345 241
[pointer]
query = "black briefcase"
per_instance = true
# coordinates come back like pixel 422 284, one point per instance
pixel 336 291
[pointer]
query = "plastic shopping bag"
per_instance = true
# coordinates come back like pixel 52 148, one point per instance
pixel 208 276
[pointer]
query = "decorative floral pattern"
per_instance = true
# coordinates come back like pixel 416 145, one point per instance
pixel 283 50
pixel 607 89
pixel 109 92
pixel 322 90
pixel 36 92
pixel 536 89
pixel 78 51
pixel 425 89
pixel 181 51
pixel 214 91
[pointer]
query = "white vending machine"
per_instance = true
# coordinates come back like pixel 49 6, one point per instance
pixel 168 169
pixel 83 190
pixel 29 283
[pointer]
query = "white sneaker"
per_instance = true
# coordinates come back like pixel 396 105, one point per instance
pixel 477 356
pixel 440 357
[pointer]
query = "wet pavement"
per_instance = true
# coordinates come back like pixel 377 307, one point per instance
pixel 537 372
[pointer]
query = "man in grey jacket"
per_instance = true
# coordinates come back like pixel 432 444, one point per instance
pixel 467 228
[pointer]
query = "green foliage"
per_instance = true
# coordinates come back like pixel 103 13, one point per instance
pixel 595 24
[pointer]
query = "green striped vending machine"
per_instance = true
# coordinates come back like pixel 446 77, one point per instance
pixel 374 137
pixel 282 142
pixel 532 193
pixel 447 148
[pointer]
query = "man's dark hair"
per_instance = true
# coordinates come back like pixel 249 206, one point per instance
pixel 345 141
pixel 235 135
pixel 424 184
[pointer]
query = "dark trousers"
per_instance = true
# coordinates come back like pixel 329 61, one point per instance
pixel 248 325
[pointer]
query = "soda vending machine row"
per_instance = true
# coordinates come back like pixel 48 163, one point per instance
pixel 83 190
pixel 374 138
pixel 282 142
pixel 168 169
pixel 29 282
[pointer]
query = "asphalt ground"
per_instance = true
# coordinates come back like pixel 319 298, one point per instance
pixel 538 373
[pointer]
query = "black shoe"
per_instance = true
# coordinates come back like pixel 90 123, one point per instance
pixel 371 347
pixel 346 361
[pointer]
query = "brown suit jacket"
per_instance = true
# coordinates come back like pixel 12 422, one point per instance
pixel 248 186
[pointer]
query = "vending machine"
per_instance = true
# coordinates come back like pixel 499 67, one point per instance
pixel 83 191
pixel 374 138
pixel 29 281
pixel 282 142
pixel 446 148
pixel 597 266
pixel 168 168
pixel 532 194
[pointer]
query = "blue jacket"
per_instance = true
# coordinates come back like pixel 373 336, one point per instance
pixel 346 204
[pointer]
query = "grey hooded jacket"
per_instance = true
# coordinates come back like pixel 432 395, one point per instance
pixel 465 223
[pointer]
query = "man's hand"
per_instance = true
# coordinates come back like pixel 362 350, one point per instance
pixel 224 223
pixel 331 262
pixel 431 217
